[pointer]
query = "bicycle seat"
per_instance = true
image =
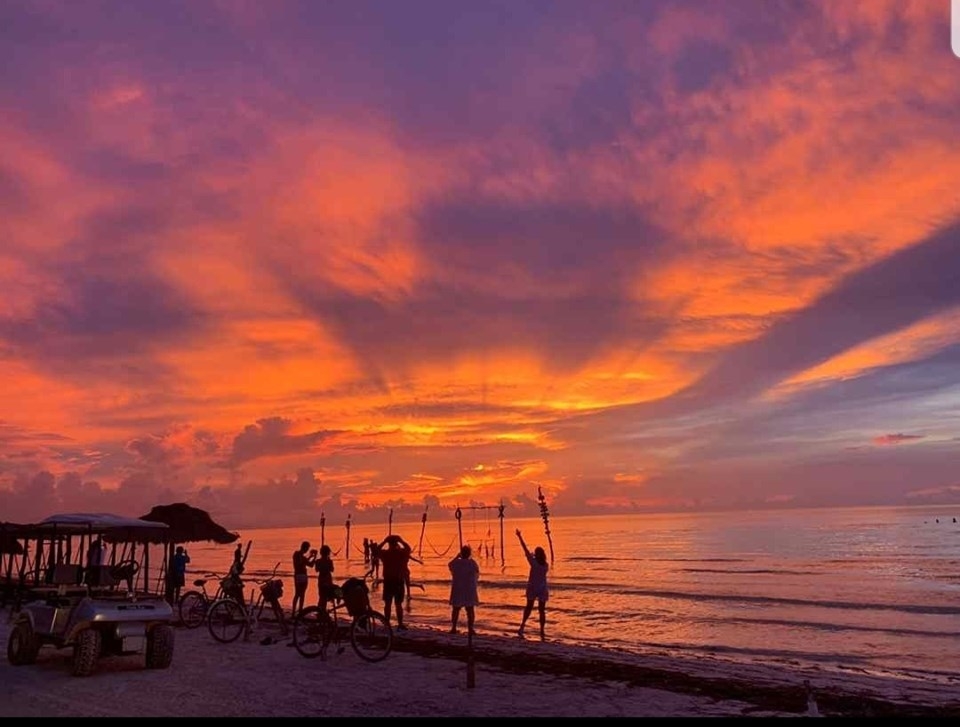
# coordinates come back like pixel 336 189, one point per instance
pixel 199 583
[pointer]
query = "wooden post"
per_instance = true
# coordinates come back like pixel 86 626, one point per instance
pixel 323 528
pixel 459 516
pixel 471 667
pixel 502 547
pixel 423 527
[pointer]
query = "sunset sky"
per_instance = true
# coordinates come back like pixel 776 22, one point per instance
pixel 282 258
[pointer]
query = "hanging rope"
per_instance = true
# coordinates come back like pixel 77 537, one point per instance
pixel 437 552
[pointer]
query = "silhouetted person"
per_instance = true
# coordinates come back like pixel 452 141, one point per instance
pixel 301 561
pixel 374 560
pixel 94 561
pixel 394 556
pixel 178 572
pixel 536 586
pixel 366 551
pixel 465 573
pixel 325 585
pixel 233 584
pixel 237 564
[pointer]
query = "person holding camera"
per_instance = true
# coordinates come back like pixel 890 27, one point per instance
pixel 178 571
pixel 302 561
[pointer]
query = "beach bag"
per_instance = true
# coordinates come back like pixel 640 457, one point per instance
pixel 355 596
pixel 272 590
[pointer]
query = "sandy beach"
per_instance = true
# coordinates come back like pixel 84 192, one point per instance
pixel 426 675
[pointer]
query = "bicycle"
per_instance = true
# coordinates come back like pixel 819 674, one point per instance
pixel 194 605
pixel 370 634
pixel 228 617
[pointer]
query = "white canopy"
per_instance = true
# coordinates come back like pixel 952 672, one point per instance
pixel 100 522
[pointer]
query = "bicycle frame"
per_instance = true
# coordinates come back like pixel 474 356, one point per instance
pixel 369 632
pixel 227 618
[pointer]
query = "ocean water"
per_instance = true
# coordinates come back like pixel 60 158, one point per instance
pixel 875 590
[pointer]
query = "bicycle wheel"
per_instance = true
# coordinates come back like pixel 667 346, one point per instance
pixel 312 632
pixel 226 620
pixel 371 636
pixel 193 609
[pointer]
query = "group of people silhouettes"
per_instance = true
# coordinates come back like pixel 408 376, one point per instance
pixel 464 591
pixel 390 560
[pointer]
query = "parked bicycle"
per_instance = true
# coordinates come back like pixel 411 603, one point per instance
pixel 229 617
pixel 194 605
pixel 369 632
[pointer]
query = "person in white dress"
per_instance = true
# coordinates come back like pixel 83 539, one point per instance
pixel 463 588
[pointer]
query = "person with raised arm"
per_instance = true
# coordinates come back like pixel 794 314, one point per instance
pixel 394 553
pixel 536 586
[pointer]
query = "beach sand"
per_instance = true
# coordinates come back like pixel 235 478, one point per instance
pixel 426 675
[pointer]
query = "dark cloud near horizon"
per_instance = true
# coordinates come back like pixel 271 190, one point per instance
pixel 270 438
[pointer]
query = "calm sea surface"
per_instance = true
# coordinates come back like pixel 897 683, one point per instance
pixel 871 589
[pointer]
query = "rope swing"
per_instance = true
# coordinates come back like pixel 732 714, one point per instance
pixel 499 508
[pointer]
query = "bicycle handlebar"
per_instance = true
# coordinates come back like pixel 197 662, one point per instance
pixel 271 577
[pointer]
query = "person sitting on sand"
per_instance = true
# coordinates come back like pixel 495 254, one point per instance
pixel 536 586
pixel 463 588
pixel 394 555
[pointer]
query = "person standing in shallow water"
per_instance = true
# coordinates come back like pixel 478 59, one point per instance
pixel 536 586
pixel 394 554
pixel 463 588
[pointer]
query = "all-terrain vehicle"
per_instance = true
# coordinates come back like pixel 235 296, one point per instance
pixel 95 609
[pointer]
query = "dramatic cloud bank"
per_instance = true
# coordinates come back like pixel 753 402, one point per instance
pixel 291 258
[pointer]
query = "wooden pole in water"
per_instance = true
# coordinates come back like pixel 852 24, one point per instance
pixel 323 527
pixel 545 515
pixel 459 516
pixel 348 536
pixel 390 522
pixel 423 527
pixel 503 555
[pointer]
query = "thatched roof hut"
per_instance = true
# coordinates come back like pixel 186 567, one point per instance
pixel 190 524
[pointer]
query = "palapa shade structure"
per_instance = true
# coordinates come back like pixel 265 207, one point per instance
pixel 187 524
pixel 190 524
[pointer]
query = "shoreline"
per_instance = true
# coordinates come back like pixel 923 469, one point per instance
pixel 426 675
pixel 766 687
